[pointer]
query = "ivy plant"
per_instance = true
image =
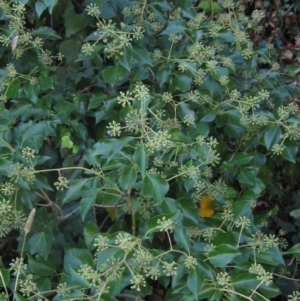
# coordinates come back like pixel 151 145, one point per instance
pixel 137 140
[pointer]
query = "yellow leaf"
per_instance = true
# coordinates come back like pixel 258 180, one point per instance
pixel 206 208
pixel 112 211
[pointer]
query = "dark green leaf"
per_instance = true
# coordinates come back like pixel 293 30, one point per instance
pixel 40 243
pixel 46 32
pixel 73 21
pixel 272 136
pixel 222 255
pixel 42 267
pixel 290 151
pixel 128 177
pixel 5 276
pixel 242 159
pixel 141 55
pixel 74 191
pixel 141 159
pixel 74 258
pixel 40 7
pixel 70 49
pixel 112 74
pixel 155 187
pixel 175 27
pixel 90 233
pixel 45 82
pixel 195 282
pixel 246 175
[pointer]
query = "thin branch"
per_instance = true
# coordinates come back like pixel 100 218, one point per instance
pixel 136 298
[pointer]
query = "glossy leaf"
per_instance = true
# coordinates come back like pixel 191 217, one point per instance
pixel 112 74
pixel 223 255
pixel 155 187
pixel 195 282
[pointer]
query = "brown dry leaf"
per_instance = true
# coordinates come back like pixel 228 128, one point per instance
pixel 161 236
pixel 287 55
pixel 258 4
pixel 297 41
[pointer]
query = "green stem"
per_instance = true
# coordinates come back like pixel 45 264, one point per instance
pixel 129 204
pixel 7 145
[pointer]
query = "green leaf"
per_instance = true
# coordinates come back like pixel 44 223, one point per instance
pixel 66 142
pixel 182 237
pixel 210 6
pixel 174 27
pixel 195 282
pixel 90 232
pixel 206 291
pixel 242 159
pixel 40 243
pixel 290 151
pixel 126 59
pixel 269 291
pixel 40 7
pixel 246 175
pixel 141 159
pixel 73 22
pixel 45 82
pixel 96 100
pixel 5 276
pixel 244 280
pixel 177 136
pixel 13 89
pixel 155 186
pixel 222 255
pixel 117 145
pixel 181 82
pixel 50 4
pixel 75 257
pixel 295 214
pixel 104 256
pixel 46 32
pixel 271 256
pixel 128 177
pixel 189 211
pixel 209 115
pixel 272 136
pixel 141 55
pixel 112 74
pixel 86 203
pixel 70 50
pixel 294 250
pixel 42 267
pixel 74 191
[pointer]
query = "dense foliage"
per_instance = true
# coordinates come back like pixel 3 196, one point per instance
pixel 146 147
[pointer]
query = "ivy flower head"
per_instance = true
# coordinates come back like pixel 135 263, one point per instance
pixel 62 183
pixel 166 225
pixel 101 242
pixel 137 282
pixel 28 153
pixel 93 10
pixel 169 269
pixel 223 279
pixel 136 120
pixel 7 189
pixel 242 222
pixel 190 262
pixel 126 242
pixel 125 98
pixel 114 128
